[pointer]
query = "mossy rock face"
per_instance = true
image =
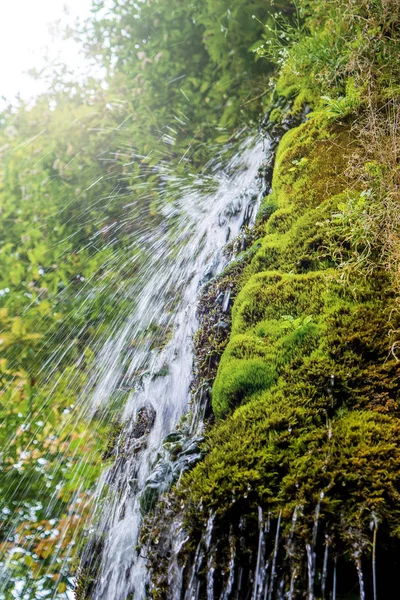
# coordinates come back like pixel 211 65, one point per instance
pixel 279 316
pixel 310 164
pixel 289 86
pixel 296 465
pixel 302 466
pixel 240 378
pixel 272 296
pixel 284 457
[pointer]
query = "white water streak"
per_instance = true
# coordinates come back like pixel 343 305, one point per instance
pixel 167 297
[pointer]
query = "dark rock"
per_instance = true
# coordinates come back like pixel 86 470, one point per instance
pixel 144 421
pixel 133 484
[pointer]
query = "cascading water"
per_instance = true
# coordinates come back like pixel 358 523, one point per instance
pixel 187 252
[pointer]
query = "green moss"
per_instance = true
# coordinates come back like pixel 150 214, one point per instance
pixel 281 221
pixel 286 456
pixel 279 316
pixel 297 90
pixel 295 220
pixel 310 163
pixel 276 115
pixel 268 206
pixel 267 296
pixel 238 379
pixel 329 419
pixel 271 295
pixel 305 97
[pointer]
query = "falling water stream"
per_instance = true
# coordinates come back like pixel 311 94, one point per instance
pixel 186 252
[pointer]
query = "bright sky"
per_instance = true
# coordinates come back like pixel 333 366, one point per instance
pixel 26 37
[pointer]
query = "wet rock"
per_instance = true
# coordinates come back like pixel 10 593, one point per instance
pixel 155 485
pixel 186 462
pixel 159 474
pixel 133 484
pixel 138 445
pixel 248 213
pixel 193 447
pixel 175 451
pixel 149 497
pixel 174 436
pixel 209 274
pixel 144 421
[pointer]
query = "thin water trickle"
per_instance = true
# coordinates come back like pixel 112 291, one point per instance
pixel 310 549
pixel 211 556
pixel 259 575
pixel 266 589
pixel 360 576
pixel 238 588
pixel 274 558
pixel 334 581
pixel 290 550
pixel 226 592
pixel 316 518
pixel 292 583
pixel 187 253
pixel 209 530
pixel 310 568
pixel 210 575
pixel 175 571
pixel 325 568
pixel 374 525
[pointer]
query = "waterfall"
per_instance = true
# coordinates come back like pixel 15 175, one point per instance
pixel 186 253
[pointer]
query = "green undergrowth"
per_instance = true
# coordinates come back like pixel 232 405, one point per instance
pixel 340 59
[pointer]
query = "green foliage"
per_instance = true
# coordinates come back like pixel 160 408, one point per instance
pixel 82 180
pixel 53 298
pixel 341 58
pixel 172 98
pixel 343 106
pixel 337 48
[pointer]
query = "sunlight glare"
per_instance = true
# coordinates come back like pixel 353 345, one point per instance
pixel 28 39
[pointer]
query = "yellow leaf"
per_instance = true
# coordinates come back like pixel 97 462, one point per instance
pixel 18 328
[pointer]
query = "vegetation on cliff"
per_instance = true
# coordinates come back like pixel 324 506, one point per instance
pixel 306 392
